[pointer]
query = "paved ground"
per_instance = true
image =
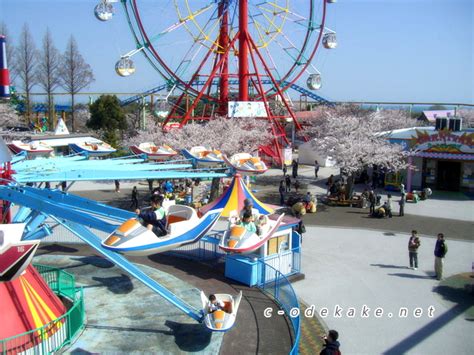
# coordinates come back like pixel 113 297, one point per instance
pixel 353 268
pixel 362 261
pixel 124 316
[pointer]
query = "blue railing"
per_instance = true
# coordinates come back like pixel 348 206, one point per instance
pixel 273 283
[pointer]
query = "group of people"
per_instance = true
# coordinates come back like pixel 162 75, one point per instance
pixel 440 251
pixel 386 209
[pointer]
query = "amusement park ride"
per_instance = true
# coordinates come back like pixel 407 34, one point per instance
pixel 234 58
pixel 239 60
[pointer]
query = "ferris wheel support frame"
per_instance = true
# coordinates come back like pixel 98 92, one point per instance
pixel 247 77
pixel 243 51
pixel 224 43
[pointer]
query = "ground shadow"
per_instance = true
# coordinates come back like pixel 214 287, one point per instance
pixel 96 261
pixel 79 351
pixel 458 289
pixel 390 234
pixel 128 329
pixel 190 337
pixel 425 332
pixel 385 266
pixel 205 272
pixel 358 212
pixel 411 276
pixel 454 294
pixel 119 285
pixel 51 248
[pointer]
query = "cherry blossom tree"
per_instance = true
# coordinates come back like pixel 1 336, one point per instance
pixel 467 117
pixel 8 116
pixel 228 135
pixel 353 140
pixel 395 119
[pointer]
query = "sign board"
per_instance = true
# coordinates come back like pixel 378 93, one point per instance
pixel 443 141
pixel 247 109
pixel 287 154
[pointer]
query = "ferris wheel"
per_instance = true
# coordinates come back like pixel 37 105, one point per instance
pixel 226 53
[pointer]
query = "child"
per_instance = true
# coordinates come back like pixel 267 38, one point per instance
pixel 248 223
pixel 155 217
pixel 214 304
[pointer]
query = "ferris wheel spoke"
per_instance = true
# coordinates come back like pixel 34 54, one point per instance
pixel 146 43
pixel 208 33
pixel 269 30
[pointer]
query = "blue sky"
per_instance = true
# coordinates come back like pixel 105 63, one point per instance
pixel 388 50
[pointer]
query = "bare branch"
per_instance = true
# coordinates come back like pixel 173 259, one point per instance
pixel 75 73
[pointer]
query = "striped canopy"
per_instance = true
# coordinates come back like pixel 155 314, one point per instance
pixel 27 303
pixel 233 199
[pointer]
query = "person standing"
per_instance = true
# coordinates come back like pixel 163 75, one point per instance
pixel 297 186
pixel 372 202
pixel 294 169
pixel 401 203
pixel 288 183
pixel 316 169
pixel 282 190
pixel 388 205
pixel 331 345
pixel 329 183
pixel 134 203
pixel 285 169
pixel 402 189
pixel 413 245
pixel 117 185
pixel 440 252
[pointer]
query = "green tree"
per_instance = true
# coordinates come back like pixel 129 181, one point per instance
pixel 107 115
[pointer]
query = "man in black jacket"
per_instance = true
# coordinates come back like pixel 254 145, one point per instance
pixel 331 346
pixel 440 252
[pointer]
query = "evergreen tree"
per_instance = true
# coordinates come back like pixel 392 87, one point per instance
pixel 107 115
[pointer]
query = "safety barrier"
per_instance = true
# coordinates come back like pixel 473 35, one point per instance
pixel 273 283
pixel 54 335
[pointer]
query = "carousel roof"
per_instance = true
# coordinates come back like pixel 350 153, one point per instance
pixel 28 303
pixel 233 199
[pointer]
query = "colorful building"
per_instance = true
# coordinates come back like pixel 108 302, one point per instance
pixel 442 159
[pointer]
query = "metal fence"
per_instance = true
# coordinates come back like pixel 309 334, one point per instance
pixel 54 335
pixel 204 250
pixel 273 283
pixel 287 262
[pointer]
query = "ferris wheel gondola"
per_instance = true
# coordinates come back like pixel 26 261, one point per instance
pixel 314 81
pixel 104 10
pixel 329 40
pixel 125 67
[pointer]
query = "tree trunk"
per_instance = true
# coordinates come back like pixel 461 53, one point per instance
pixel 215 189
pixel 350 186
pixel 51 113
pixel 28 107
pixel 73 128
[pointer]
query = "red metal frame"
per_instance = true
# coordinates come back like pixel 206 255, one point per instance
pixel 6 175
pixel 220 70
